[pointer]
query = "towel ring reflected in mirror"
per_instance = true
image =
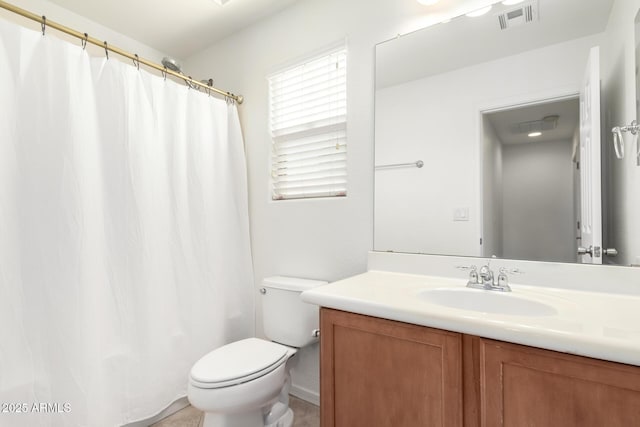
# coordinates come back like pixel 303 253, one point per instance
pixel 618 138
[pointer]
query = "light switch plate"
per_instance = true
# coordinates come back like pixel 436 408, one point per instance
pixel 461 214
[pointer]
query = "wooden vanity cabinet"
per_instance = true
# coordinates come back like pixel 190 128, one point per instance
pixel 382 373
pixel 525 386
pixel 377 372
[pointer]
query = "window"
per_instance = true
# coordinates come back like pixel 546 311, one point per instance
pixel 308 106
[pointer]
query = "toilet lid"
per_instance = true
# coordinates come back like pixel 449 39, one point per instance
pixel 233 363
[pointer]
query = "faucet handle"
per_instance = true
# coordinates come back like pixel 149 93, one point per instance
pixel 474 279
pixel 473 274
pixel 503 280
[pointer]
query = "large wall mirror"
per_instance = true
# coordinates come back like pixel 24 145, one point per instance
pixel 637 77
pixel 487 133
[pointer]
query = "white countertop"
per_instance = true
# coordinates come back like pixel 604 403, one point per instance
pixel 593 324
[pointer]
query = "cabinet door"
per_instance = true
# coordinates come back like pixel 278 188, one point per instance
pixel 377 372
pixel 523 386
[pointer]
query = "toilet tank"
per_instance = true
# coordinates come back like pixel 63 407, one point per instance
pixel 286 318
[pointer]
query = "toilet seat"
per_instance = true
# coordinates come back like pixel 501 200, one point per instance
pixel 237 363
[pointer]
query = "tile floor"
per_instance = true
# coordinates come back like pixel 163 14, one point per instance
pixel 305 415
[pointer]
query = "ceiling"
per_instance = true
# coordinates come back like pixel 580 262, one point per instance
pixel 179 28
pixel 466 41
pixel 505 122
pixel 185 27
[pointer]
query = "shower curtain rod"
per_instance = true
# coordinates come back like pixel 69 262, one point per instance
pixel 103 44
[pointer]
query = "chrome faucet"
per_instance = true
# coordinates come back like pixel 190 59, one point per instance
pixel 486 280
pixel 486 276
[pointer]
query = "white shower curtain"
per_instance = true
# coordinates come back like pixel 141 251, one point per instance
pixel 124 235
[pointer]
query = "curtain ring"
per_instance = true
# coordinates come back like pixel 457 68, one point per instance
pixel 43 24
pixel 164 74
pixel 136 61
pixel 106 50
pixel 84 41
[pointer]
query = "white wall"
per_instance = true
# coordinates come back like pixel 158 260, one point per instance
pixel 325 239
pixel 65 17
pixel 538 209
pixel 321 239
pixel 492 178
pixel 622 177
pixel 437 119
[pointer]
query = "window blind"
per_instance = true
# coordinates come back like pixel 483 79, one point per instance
pixel 308 120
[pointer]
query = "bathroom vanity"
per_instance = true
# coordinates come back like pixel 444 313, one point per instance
pixel 392 355
pixel 377 372
pixel 407 344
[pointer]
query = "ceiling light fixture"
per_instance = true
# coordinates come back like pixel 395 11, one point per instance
pixel 534 134
pixel 222 2
pixel 426 2
pixel 479 12
pixel 511 2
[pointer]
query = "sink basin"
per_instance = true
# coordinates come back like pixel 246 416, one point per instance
pixel 486 302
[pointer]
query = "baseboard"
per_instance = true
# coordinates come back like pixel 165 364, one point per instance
pixel 179 404
pixel 305 394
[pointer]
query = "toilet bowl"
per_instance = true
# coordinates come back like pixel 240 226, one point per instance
pixel 246 383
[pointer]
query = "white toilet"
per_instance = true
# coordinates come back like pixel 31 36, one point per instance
pixel 246 383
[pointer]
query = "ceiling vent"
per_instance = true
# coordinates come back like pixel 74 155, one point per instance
pixel 545 124
pixel 520 15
